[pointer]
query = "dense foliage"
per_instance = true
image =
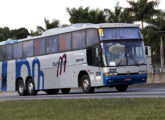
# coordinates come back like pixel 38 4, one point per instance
pixel 6 33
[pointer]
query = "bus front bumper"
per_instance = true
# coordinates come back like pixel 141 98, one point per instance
pixel 124 79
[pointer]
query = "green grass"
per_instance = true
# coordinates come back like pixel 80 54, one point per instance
pixel 84 109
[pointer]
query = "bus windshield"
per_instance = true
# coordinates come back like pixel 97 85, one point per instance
pixel 120 53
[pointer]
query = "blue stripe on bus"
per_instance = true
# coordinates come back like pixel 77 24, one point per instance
pixel 40 73
pixel 25 62
pixel 19 64
pixel 13 41
pixel 122 79
pixel 4 76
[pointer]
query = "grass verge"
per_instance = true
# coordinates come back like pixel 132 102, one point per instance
pixel 84 109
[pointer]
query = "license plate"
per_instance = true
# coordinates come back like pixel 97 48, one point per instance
pixel 127 79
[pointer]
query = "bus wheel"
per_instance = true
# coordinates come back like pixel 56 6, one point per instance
pixel 31 87
pixel 86 86
pixel 65 90
pixel 53 91
pixel 121 88
pixel 21 88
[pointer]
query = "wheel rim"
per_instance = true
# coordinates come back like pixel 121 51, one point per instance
pixel 85 84
pixel 21 88
pixel 30 87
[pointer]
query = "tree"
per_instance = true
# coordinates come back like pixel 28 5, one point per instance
pixel 48 25
pixel 155 26
pixel 34 33
pixel 4 33
pixel 96 16
pixel 19 33
pixel 155 32
pixel 119 15
pixel 84 15
pixel 142 10
pixel 79 15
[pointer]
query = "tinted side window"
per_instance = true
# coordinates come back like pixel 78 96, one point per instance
pixel 3 52
pixel 51 44
pixel 28 49
pixel 17 50
pixel 92 37
pixel 0 53
pixel 68 41
pixel 64 42
pixel 94 56
pixel 39 47
pixel 9 52
pixel 78 39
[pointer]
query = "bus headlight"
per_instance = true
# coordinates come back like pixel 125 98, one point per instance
pixel 112 73
pixel 98 78
pixel 108 74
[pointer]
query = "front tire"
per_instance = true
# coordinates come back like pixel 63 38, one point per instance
pixel 31 87
pixel 65 90
pixel 121 88
pixel 86 85
pixel 21 88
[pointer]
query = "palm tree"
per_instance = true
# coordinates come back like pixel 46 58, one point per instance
pixel 84 15
pixel 79 15
pixel 48 25
pixel 96 16
pixel 142 10
pixel 155 32
pixel 119 15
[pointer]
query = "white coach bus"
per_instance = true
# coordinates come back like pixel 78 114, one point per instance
pixel 81 55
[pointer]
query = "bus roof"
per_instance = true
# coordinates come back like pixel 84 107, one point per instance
pixel 81 26
pixel 71 28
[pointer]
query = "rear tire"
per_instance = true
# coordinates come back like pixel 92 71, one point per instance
pixel 86 85
pixel 31 87
pixel 65 90
pixel 53 91
pixel 21 88
pixel 121 88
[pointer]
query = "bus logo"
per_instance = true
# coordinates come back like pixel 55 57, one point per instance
pixel 62 61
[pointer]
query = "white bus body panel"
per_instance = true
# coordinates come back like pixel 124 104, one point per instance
pixel 75 63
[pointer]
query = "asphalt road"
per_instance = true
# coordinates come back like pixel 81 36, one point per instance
pixel 99 93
